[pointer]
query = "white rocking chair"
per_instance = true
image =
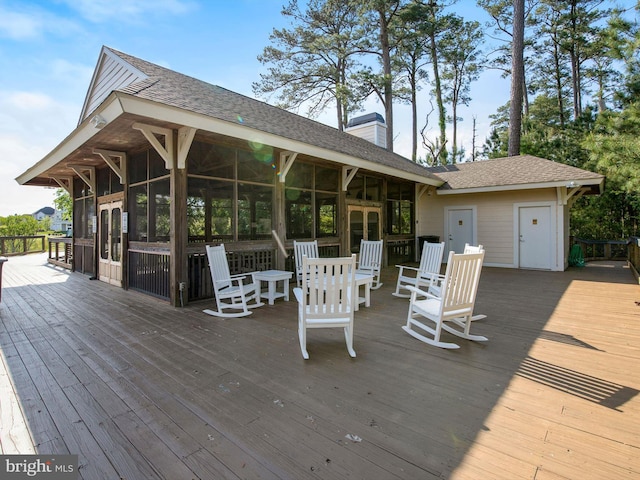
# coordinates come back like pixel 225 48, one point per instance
pixel 370 260
pixel 473 248
pixel 327 298
pixel 426 274
pixel 435 287
pixel 453 310
pixel 230 290
pixel 300 249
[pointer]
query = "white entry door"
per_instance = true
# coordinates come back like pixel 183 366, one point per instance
pixel 535 244
pixel 460 229
pixel 110 241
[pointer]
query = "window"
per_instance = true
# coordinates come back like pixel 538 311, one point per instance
pixel 229 192
pixel 400 212
pixel 254 212
pixel 149 198
pixel 311 201
pixel 83 210
pixel 107 182
pixel 365 188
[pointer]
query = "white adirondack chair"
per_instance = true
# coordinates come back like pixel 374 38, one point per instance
pixel 426 274
pixel 231 292
pixel 300 249
pixel 370 261
pixel 453 310
pixel 327 298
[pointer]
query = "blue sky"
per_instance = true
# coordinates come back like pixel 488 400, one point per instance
pixel 49 49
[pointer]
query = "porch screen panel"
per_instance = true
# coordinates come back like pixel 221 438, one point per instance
pixel 299 213
pixel 255 207
pixel 311 201
pixel 400 208
pixel 326 214
pixel 256 165
pixel 159 211
pixel 210 209
pixel 230 192
pixel 138 203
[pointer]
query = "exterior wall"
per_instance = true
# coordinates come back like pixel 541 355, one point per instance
pixel 374 132
pixel 496 219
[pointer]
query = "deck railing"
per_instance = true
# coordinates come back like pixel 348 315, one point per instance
pixel 634 255
pixel 60 252
pixel 19 245
pixel 602 249
pixel 149 272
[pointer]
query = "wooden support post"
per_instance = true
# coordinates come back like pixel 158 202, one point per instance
pixel 178 262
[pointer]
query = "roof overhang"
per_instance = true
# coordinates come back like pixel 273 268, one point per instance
pixel 592 186
pixel 120 110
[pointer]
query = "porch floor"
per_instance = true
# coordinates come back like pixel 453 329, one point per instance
pixel 141 390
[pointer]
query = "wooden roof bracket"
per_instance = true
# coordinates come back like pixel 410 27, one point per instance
pixel 422 189
pixel 286 162
pixel 66 183
pixel 89 179
pixel 347 175
pixel 185 139
pixel 569 195
pixel 119 169
pixel 166 151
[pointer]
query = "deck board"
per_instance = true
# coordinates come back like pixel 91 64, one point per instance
pixel 140 389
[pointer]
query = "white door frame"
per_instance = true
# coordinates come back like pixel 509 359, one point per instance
pixel 553 233
pixel 474 225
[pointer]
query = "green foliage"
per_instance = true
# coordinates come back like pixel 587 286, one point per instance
pixel 614 150
pixel 20 225
pixel 64 204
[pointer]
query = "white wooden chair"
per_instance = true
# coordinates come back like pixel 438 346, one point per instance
pixel 232 294
pixel 473 248
pixel 424 275
pixel 434 288
pixel 300 249
pixel 370 260
pixel 327 297
pixel 453 310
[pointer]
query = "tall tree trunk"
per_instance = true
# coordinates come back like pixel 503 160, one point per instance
pixel 575 63
pixel 414 120
pixel 442 113
pixel 454 135
pixel 386 65
pixel 525 96
pixel 517 69
pixel 558 75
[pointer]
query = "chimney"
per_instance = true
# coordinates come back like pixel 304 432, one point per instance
pixel 371 127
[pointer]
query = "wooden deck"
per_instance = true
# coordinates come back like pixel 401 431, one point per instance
pixel 142 390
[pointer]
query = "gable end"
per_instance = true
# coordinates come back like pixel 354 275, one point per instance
pixel 111 73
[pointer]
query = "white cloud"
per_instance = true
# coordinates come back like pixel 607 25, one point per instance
pixel 31 125
pixel 99 11
pixel 16 155
pixel 19 26
pixel 30 23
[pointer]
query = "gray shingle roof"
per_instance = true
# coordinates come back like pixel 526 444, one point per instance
pixel 182 91
pixel 509 171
